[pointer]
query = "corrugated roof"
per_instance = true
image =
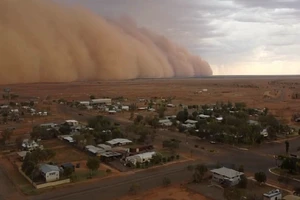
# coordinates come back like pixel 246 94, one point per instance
pixel 45 168
pixel 230 173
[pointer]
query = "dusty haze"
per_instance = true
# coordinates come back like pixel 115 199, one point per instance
pixel 41 41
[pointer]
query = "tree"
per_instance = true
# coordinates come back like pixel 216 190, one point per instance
pixel 287 147
pixel 93 163
pixel 199 172
pixel 166 182
pixel 241 168
pixel 92 97
pixel 260 177
pixel 289 164
pixel 138 119
pixel 19 142
pixel 243 182
pixel 156 158
pixel 68 171
pixel 161 111
pixel 171 144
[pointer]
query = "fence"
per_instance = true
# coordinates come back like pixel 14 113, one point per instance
pixel 44 185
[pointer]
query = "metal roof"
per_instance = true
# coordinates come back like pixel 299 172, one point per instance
pixel 45 168
pixel 229 173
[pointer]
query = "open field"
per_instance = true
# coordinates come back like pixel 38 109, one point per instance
pixel 169 193
pixel 186 91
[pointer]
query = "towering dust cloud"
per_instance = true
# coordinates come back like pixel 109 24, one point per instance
pixel 41 41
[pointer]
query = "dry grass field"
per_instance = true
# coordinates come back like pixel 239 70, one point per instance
pixel 256 92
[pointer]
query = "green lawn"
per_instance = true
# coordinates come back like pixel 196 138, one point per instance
pixel 284 172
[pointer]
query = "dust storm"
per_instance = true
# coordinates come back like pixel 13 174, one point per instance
pixel 43 41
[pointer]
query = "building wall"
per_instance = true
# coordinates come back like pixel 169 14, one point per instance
pixel 52 176
pixel 278 197
pixel 219 178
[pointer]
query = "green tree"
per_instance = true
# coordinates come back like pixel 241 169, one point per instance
pixel 166 182
pixel 68 171
pixel 241 168
pixel 138 119
pixel 260 177
pixel 161 111
pixel 243 182
pixel 199 172
pixel 156 158
pixel 93 163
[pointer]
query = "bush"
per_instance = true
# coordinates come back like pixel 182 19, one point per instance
pixel 177 157
pixel 172 158
pixel 164 159
pixel 243 182
pixel 138 165
pixel 108 171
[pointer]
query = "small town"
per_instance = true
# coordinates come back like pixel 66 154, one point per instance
pixel 52 143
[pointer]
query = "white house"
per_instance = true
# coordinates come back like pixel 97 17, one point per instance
pixel 49 172
pixel 141 158
pixel 125 108
pixel 101 101
pixel 224 174
pixel 104 147
pixel 84 103
pixel 165 122
pixel 72 122
pixel 188 126
pixel 189 121
pixel 273 195
pixel 264 133
pixel 118 142
pixel 29 145
pixel 204 116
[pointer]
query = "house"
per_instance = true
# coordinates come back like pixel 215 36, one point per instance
pixel 201 116
pixel 264 133
pixel 273 195
pixel 253 122
pixel 291 197
pixel 94 150
pixel 125 108
pixel 29 145
pixel 48 125
pixel 49 172
pixel 112 112
pixel 189 121
pixel 84 103
pixel 188 126
pixel 100 101
pixel 142 108
pixel 22 154
pixel 118 142
pixel 138 149
pixel 141 158
pixel 68 165
pixel 224 174
pixel 72 122
pixel 104 147
pixel 110 156
pixel 165 122
pixel 69 139
pixel 171 105
pixel 219 119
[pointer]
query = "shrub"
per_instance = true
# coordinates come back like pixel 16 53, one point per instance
pixel 108 171
pixel 177 157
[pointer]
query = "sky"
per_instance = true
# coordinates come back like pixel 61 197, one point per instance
pixel 236 37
